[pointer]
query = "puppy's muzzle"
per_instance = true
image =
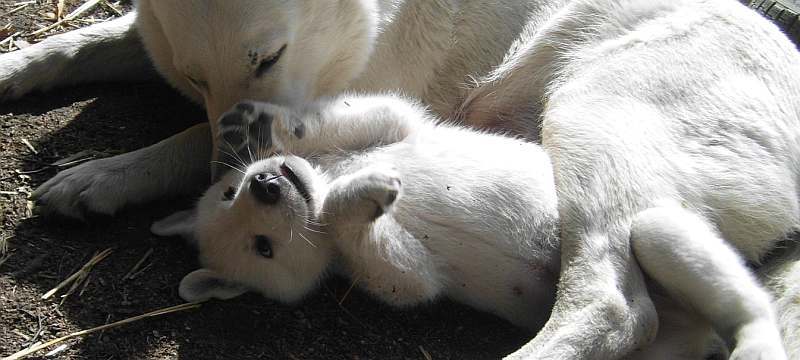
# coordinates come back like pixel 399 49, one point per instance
pixel 265 188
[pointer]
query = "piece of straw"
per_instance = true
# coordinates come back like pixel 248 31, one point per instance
pixel 136 266
pixel 164 311
pixel 78 274
pixel 71 16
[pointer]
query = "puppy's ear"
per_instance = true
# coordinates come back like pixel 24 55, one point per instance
pixel 181 223
pixel 204 284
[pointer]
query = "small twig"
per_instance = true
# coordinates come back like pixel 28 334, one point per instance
pixel 163 311
pixel 57 350
pixel 60 10
pixel 85 284
pixel 20 334
pixel 355 281
pixel 426 354
pixel 4 244
pixel 4 258
pixel 29 145
pixel 100 335
pixel 112 7
pixel 19 7
pixel 83 270
pixel 140 272
pixel 138 264
pixel 80 10
pixel 32 342
pixel 10 38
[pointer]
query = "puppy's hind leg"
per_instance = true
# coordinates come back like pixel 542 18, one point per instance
pixel 109 51
pixel 681 251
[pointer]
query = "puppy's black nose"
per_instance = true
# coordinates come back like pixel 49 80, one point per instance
pixel 265 188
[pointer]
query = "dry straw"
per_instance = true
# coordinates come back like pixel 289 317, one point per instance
pixel 164 311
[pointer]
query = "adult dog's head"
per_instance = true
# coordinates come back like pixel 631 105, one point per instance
pixel 281 51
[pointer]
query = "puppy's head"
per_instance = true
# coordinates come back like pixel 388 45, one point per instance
pixel 284 52
pixel 256 230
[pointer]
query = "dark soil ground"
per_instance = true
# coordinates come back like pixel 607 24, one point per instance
pixel 115 118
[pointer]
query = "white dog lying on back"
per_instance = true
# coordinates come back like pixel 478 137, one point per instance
pixel 416 210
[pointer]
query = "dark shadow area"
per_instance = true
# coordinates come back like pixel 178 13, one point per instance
pixel 122 117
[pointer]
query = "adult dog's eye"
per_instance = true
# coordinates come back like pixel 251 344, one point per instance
pixel 267 63
pixel 229 194
pixel 263 246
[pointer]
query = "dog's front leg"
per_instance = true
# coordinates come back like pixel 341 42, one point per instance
pixel 109 51
pixel 171 167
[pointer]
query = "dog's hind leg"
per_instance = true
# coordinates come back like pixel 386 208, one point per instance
pixel 109 51
pixel 781 275
pixel 603 309
pixel 682 252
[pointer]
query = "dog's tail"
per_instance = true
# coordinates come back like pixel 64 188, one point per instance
pixel 781 276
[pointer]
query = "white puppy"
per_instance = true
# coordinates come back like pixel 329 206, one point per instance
pixel 415 210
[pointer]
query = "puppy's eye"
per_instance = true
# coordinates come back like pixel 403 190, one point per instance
pixel 263 246
pixel 267 63
pixel 229 194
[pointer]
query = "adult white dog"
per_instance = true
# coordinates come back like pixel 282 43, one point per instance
pixel 611 84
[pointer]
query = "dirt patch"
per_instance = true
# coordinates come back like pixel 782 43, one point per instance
pixel 114 118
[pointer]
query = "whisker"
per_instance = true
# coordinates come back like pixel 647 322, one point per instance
pixel 306 239
pixel 232 156
pixel 235 153
pixel 261 152
pixel 315 231
pixel 241 166
pixel 247 145
pixel 229 165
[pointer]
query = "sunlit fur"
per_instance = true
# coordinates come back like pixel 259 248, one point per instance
pixel 481 229
pixel 689 107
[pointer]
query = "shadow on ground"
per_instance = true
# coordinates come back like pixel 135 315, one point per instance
pixel 117 118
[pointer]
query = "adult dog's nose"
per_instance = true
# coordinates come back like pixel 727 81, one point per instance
pixel 265 188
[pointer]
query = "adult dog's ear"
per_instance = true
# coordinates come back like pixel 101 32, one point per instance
pixel 204 284
pixel 181 223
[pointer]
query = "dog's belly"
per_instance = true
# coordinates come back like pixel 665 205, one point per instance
pixel 520 291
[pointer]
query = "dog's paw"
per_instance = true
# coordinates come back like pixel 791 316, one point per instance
pixel 12 81
pixel 758 349
pixel 758 340
pixel 20 75
pixel 95 188
pixel 380 188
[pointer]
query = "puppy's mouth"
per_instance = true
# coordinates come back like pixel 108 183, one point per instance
pixel 286 171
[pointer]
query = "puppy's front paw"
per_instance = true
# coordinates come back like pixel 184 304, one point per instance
pixel 380 187
pixel 96 187
pixel 255 128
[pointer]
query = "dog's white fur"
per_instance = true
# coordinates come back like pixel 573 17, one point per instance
pixel 704 82
pixel 412 210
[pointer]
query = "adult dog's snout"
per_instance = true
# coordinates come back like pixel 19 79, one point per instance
pixel 265 188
